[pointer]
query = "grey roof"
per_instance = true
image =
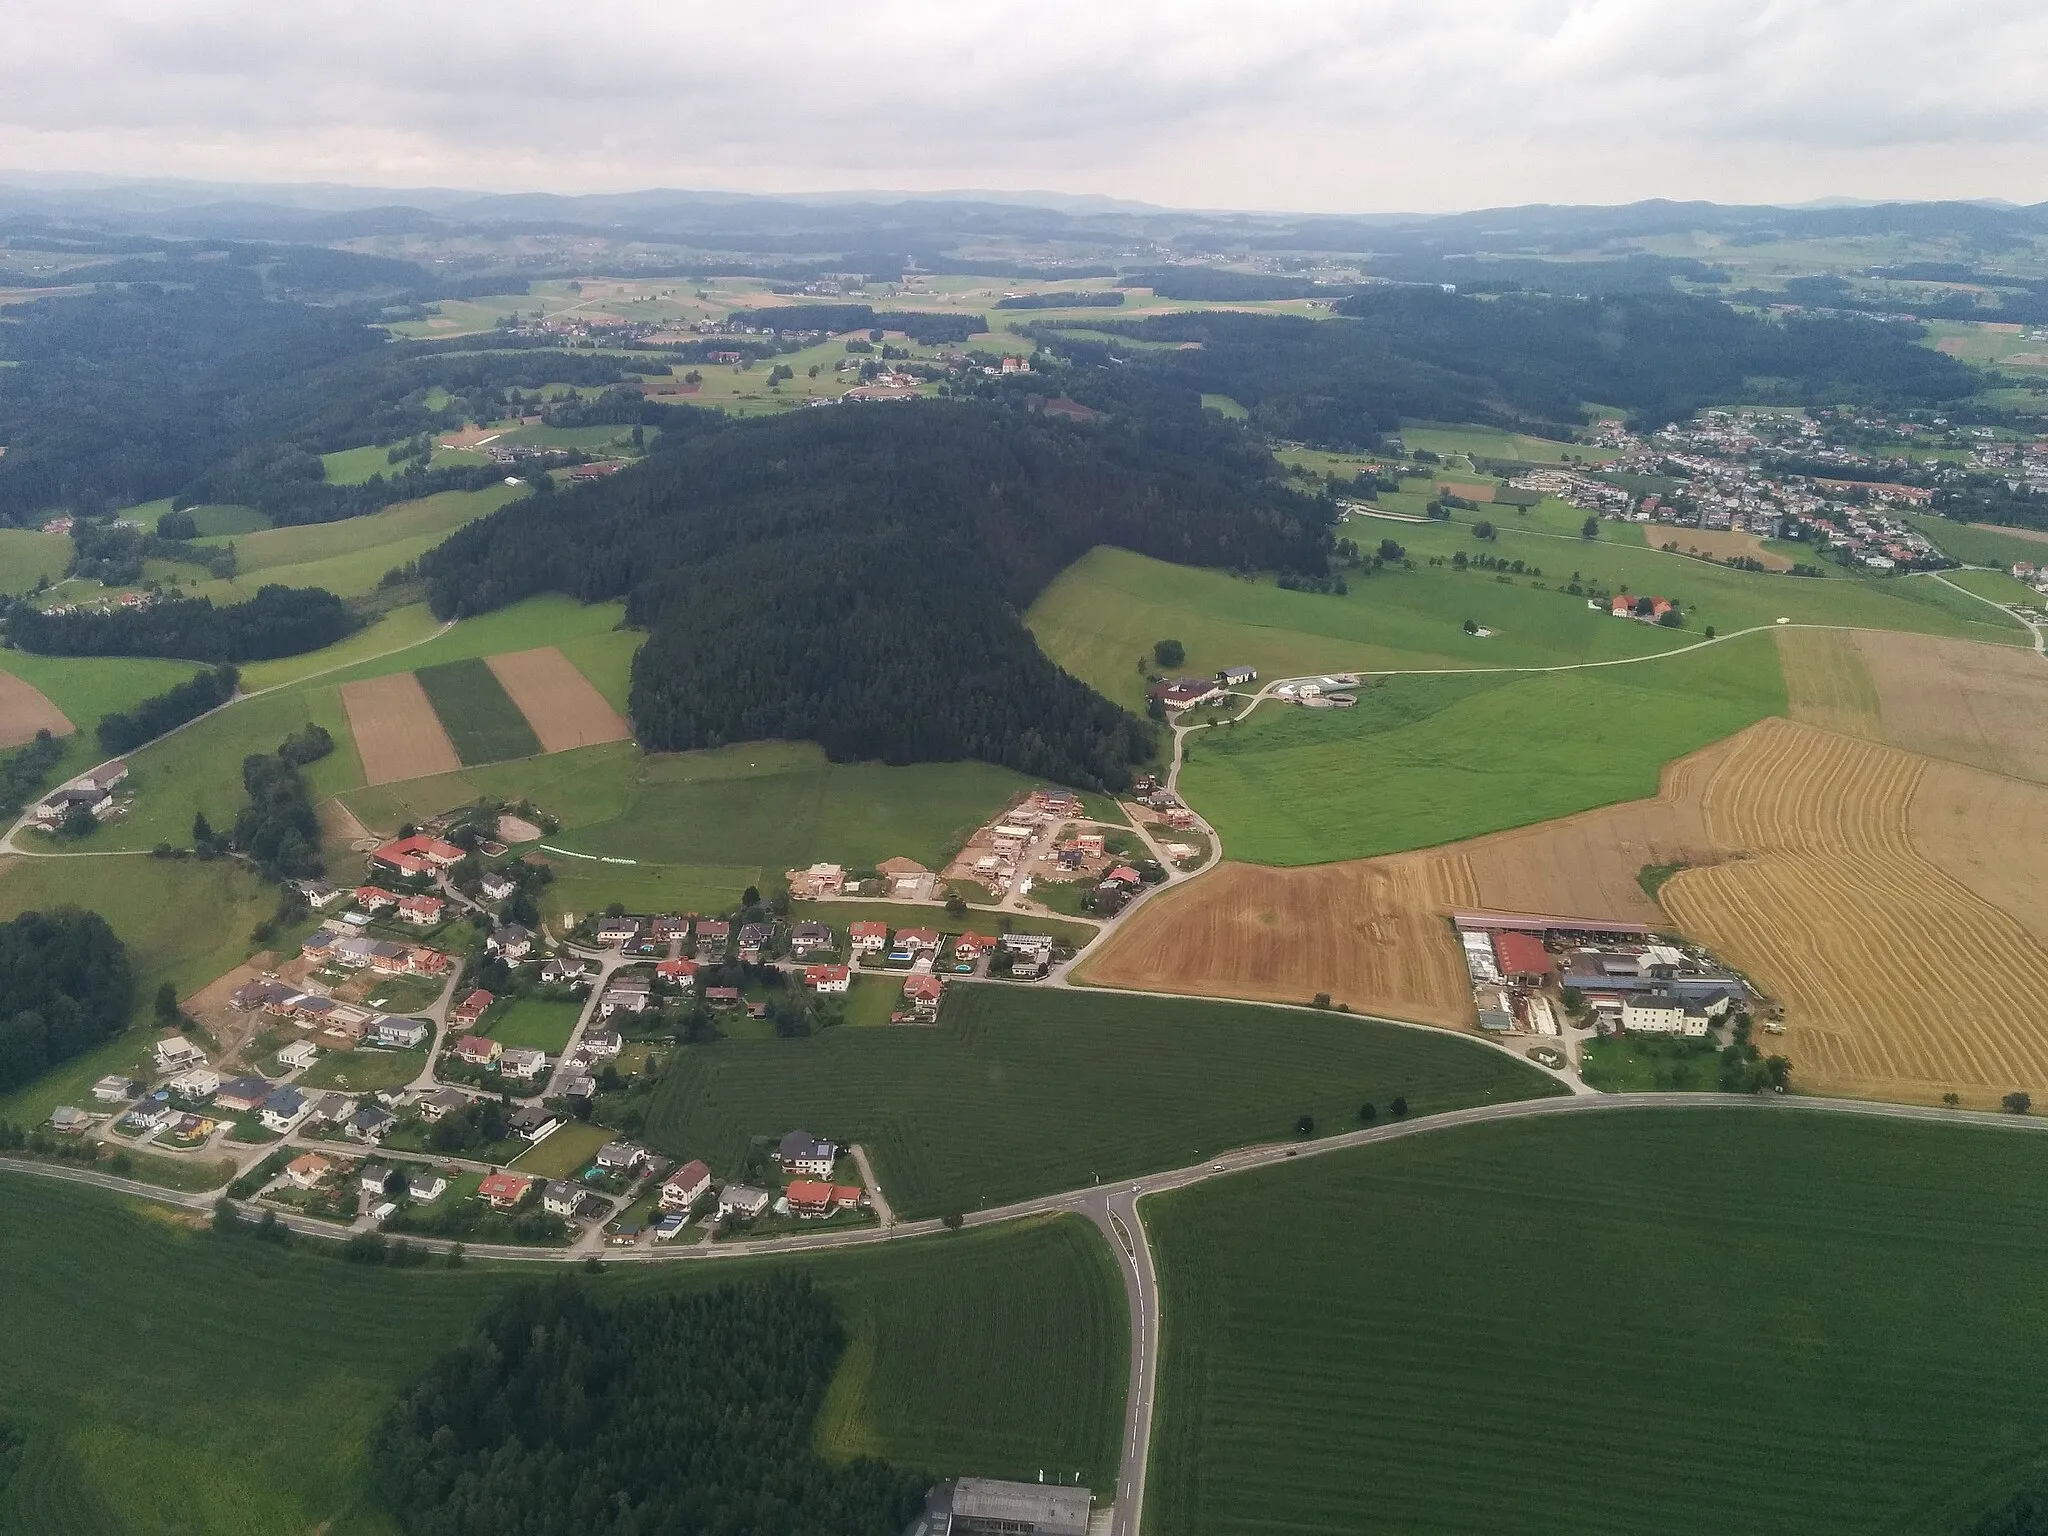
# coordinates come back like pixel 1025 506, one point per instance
pixel 1045 1509
pixel 286 1101
pixel 802 1146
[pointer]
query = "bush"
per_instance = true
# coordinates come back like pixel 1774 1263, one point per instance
pixel 2017 1103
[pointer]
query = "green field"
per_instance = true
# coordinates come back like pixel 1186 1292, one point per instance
pixel 183 922
pixel 1424 760
pixel 1736 1321
pixel 482 722
pixel 563 1152
pixel 354 466
pixel 1978 545
pixel 1022 1092
pixel 27 554
pixel 228 519
pixel 391 632
pixel 365 1070
pixel 205 1385
pixel 349 556
pixel 86 688
pixel 534 1022
pixel 1996 586
pixel 1490 444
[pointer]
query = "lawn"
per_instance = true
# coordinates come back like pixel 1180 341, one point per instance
pixel 183 922
pixel 152 1397
pixel 27 554
pixel 1734 1321
pixel 1021 1092
pixel 533 1022
pixel 563 1152
pixel 1424 760
pixel 479 716
pixel 1647 1064
pixel 365 1070
pixel 354 466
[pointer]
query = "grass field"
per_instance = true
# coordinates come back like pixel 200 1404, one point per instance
pixel 1588 1325
pixel 27 554
pixel 153 1398
pixel 1424 760
pixel 1017 1092
pixel 227 518
pixel 391 632
pixel 1998 586
pixel 480 718
pixel 564 1152
pixel 1976 544
pixel 354 466
pixel 183 922
pixel 534 1022
pixel 86 688
pixel 1489 444
pixel 365 1071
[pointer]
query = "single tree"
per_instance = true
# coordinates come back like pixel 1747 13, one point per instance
pixel 1471 627
pixel 1952 1100
pixel 1590 528
pixel 166 1005
pixel 1399 1107
pixel 2017 1103
pixel 1169 653
pixel 1321 1000
pixel 1366 1112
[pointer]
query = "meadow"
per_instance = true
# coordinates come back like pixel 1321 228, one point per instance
pixel 1976 544
pixel 86 688
pixel 27 555
pixel 1424 759
pixel 1588 1325
pixel 1487 443
pixel 1021 1092
pixel 535 1022
pixel 1996 586
pixel 153 1397
pixel 480 718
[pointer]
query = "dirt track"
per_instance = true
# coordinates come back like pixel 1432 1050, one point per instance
pixel 24 711
pixel 397 733
pixel 559 702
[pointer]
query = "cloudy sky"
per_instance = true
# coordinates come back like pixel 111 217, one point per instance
pixel 1371 105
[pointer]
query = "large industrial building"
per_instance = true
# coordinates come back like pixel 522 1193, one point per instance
pixel 980 1506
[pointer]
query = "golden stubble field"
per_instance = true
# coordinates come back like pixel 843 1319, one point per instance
pixel 559 702
pixel 397 733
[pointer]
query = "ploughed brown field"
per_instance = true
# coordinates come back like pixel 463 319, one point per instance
pixel 24 711
pixel 398 735
pixel 559 702
pixel 1719 544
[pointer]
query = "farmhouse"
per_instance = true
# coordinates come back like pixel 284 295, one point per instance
pixel 417 855
pixel 802 1153
pixel 1660 1012
pixel 1233 677
pixel 1524 962
pixel 1185 692
pixel 58 804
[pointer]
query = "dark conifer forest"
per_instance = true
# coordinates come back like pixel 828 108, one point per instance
pixel 277 621
pixel 65 986
pixel 670 1416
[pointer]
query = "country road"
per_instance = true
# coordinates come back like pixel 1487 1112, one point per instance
pixel 1114 1208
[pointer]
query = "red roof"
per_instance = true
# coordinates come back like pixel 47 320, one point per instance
pixel 1521 954
pixel 675 970
pixel 1125 875
pixel 473 1006
pixel 922 986
pixel 689 1176
pixel 815 974
pixel 419 846
pixel 503 1188
pixel 869 930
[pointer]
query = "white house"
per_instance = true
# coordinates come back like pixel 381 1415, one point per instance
pixel 283 1110
pixel 559 1198
pixel 176 1054
pixel 299 1054
pixel 496 887
pixel 742 1200
pixel 523 1062
pixel 197 1085
pixel 685 1187
pixel 1660 1013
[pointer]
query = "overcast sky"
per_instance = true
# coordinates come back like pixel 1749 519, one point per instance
pixel 1373 105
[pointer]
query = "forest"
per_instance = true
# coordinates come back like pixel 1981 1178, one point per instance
pixel 278 828
pixel 277 621
pixel 65 986
pixel 672 1414
pixel 1525 360
pixel 855 576
pixel 125 730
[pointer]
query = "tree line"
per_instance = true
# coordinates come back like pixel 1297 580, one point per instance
pixel 65 986
pixel 673 1414
pixel 125 730
pixel 277 621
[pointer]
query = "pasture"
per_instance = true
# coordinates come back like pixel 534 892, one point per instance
pixel 1430 759
pixel 993 1353
pixel 28 555
pixel 482 722
pixel 85 688
pixel 1981 543
pixel 1995 586
pixel 387 634
pixel 25 713
pixel 1488 443
pixel 1588 1325
pixel 1018 1092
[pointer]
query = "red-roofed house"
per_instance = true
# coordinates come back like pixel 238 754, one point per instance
pixel 1523 959
pixel 472 1007
pixel 868 938
pixel 420 911
pixel 827 978
pixel 503 1190
pixel 970 947
pixel 812 1197
pixel 417 855
pixel 371 897
pixel 1123 874
pixel 923 992
pixel 685 1187
pixel 478 1050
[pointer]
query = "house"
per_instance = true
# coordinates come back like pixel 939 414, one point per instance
pixel 261 996
pixel 620 1157
pixel 617 930
pixel 811 1198
pixel 306 1170
pixel 68 1120
pixel 809 938
pixel 149 1113
pixel 523 1062
pixel 299 1055
pixel 917 941
pixel 440 1102
pixel 115 1089
pixel 176 1054
pixel 532 1123
pixel 677 973
pixel 827 978
pixel 801 1152
pixel 743 1201
pixel 420 911
pixel 109 778
pixel 1124 875
pixel 397 1033
pixel 628 994
pixel 685 1187
pixel 374 898
pixel 417 855
pixel 503 1190
pixel 331 1109
pixel 1659 1012
pixel 1524 962
pixel 722 997
pixel 559 1198
pixel 242 1094
pixel 511 943
pixel 712 935
pixel 923 992
pixel 1233 677
pixel 196 1086
pixel 374 1179
pixel 1185 692
pixel 868 938
pixel 821 882
pixel 578 1087
pixel 496 887
pixel 754 938
pixel 472 1007
pixel 478 1050
pixel 369 1124
pixel 58 804
pixel 425 1188
pixel 283 1110
pixel 970 947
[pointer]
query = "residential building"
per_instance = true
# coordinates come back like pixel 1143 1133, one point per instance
pixel 420 911
pixel 478 1050
pixel 677 973
pixel 115 1089
pixel 809 938
pixel 802 1153
pixel 612 931
pixel 397 1033
pixel 1661 1013
pixel 299 1055
pixel 503 1190
pixel 533 1123
pixel 242 1095
pixel 620 1157
pixel 685 1187
pixel 261 996
pixel 559 1198
pixel 917 941
pixel 472 1008
pixel 523 1062
pixel 603 1043
pixel 812 1198
pixel 712 935
pixel 374 898
pixel 868 938
pixel 176 1054
pixel 496 887
pixel 306 1170
pixel 425 1188
pixel 442 1101
pixel 755 939
pixel 283 1110
pixel 511 943
pixel 923 992
pixel 821 882
pixel 369 1124
pixel 195 1086
pixel 373 1179
pixel 69 1121
pixel 743 1201
pixel 331 1109
pixel 827 978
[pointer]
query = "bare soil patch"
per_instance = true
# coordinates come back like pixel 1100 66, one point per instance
pixel 560 703
pixel 1827 683
pixel 2038 535
pixel 24 711
pixel 517 829
pixel 1984 705
pixel 1370 933
pixel 397 733
pixel 1720 544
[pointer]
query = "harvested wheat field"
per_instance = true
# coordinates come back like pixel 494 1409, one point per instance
pixel 1720 544
pixel 24 711
pixel 1981 828
pixel 1370 933
pixel 397 733
pixel 559 702
pixel 1985 705
pixel 1898 980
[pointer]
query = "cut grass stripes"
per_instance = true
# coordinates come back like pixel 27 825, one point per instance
pixel 479 716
